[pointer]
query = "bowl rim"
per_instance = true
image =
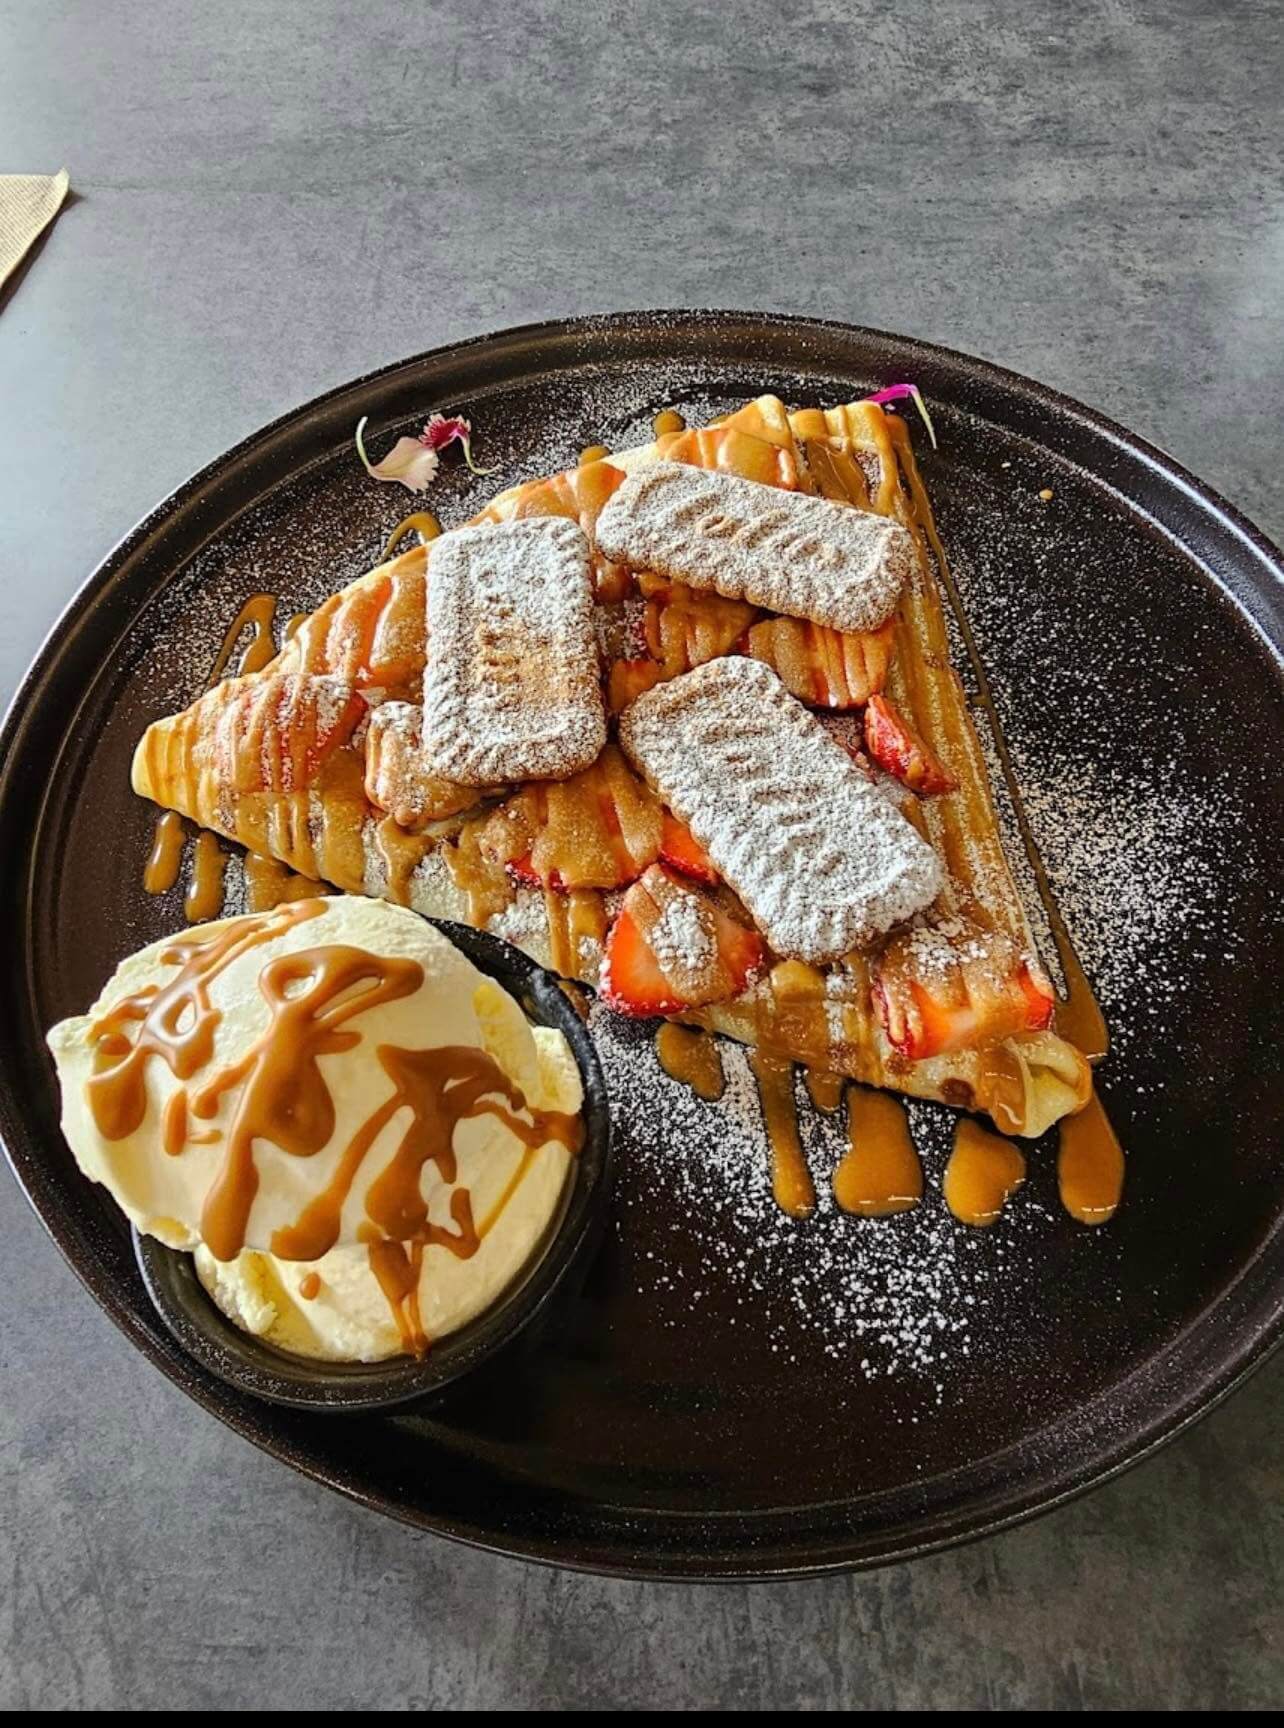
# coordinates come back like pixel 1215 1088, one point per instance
pixel 264 1370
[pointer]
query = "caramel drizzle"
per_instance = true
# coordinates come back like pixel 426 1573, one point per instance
pixel 791 1182
pixel 269 884
pixel 166 857
pixel 881 1173
pixel 283 1097
pixel 1090 1165
pixel 396 1267
pixel 825 1089
pixel 423 523
pixel 175 1023
pixel 691 1056
pixel 177 1130
pixel 984 1169
pixel 204 898
pixel 259 615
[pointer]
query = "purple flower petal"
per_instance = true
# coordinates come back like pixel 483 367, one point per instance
pixel 409 462
pixel 898 393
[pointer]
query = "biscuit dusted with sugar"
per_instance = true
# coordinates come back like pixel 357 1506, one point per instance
pixel 786 551
pixel 512 685
pixel 820 858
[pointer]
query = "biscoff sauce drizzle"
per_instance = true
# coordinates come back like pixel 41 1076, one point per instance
pixel 791 1181
pixel 166 857
pixel 423 523
pixel 881 1173
pixel 204 898
pixel 269 883
pixel 175 1023
pixel 282 1095
pixel 984 1169
pixel 1090 1165
pixel 691 1056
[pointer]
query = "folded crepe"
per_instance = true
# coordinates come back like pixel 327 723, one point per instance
pixel 316 761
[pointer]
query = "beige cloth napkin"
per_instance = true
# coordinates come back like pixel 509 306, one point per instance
pixel 28 204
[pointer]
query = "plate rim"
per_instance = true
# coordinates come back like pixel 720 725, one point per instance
pixel 604 1554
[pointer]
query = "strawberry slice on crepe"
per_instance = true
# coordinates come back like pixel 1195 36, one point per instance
pixel 672 947
pixel 899 751
pixel 680 848
pixel 953 986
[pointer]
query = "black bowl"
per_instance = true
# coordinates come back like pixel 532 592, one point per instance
pixel 514 1321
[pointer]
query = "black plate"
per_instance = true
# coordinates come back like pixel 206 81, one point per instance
pixel 541 1294
pixel 1136 618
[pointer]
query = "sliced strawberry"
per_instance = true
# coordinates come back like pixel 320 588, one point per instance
pixel 628 679
pixel 672 948
pixel 897 749
pixel 632 982
pixel 680 848
pixel 683 629
pixel 956 987
pixel 599 829
pixel 822 667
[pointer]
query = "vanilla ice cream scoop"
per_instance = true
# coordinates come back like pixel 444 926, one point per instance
pixel 338 1308
pixel 331 1076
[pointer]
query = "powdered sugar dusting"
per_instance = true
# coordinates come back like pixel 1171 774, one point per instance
pixel 681 940
pixel 787 551
pixel 512 689
pixel 885 1297
pixel 818 857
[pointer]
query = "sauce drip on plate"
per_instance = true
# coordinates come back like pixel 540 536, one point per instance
pixel 166 857
pixel 423 523
pixel 984 1169
pixel 881 1174
pixel 1090 1165
pixel 791 1181
pixel 687 1054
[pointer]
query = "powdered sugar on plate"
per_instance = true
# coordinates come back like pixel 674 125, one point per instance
pixel 888 1297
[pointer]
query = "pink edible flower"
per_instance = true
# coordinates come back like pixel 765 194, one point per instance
pixel 898 393
pixel 442 430
pixel 410 461
pixel 415 461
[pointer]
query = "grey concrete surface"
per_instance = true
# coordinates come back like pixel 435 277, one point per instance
pixel 271 198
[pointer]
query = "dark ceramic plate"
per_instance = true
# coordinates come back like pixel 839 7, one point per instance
pixel 651 1435
pixel 537 1297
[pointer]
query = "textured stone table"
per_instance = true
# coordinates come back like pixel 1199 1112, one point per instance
pixel 272 198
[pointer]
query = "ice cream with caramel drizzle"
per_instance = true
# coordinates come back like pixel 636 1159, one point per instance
pixel 359 1135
